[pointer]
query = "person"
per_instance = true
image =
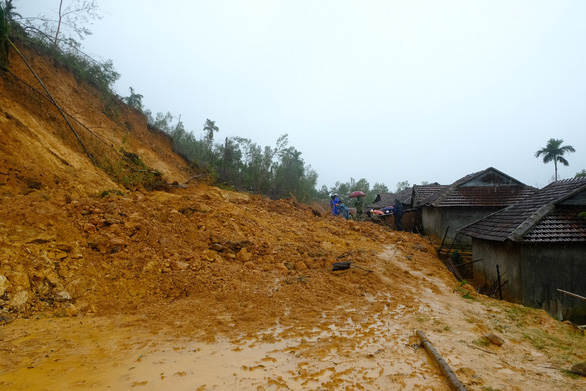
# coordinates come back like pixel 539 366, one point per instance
pixel 398 212
pixel 344 210
pixel 359 207
pixel 334 204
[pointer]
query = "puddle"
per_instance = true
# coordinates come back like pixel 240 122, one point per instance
pixel 374 354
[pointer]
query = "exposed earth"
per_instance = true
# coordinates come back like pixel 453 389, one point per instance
pixel 107 285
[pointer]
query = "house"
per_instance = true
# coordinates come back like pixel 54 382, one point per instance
pixel 538 245
pixel 467 200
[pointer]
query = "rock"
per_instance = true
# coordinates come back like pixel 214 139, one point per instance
pixel 68 311
pixel 19 278
pixel 420 247
pixel 64 247
pixel 210 256
pixel 41 239
pixel 59 255
pixel 243 255
pixel 5 318
pixel 179 265
pixel 4 284
pixel 118 241
pixel 494 339
pixel 64 271
pixel 19 299
pixel 89 228
pixel 301 266
pixel 111 219
pixel 203 208
pixel 580 368
pixel 52 278
pixel 217 247
pixel 150 266
pixel 63 296
pixel 249 265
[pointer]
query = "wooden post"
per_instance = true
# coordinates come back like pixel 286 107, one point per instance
pixel 443 240
pixel 444 367
pixel 498 276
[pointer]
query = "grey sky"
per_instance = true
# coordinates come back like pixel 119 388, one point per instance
pixel 382 90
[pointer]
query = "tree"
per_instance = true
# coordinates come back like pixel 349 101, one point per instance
pixel 7 15
pixel 75 15
pixel 402 186
pixel 554 151
pixel 135 100
pixel 209 128
pixel 581 174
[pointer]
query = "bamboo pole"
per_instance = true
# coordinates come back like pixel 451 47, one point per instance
pixel 572 294
pixel 54 101
pixel 453 381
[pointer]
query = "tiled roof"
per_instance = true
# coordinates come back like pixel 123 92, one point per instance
pixel 422 192
pixel 487 188
pixel 549 215
pixel 561 225
pixel 388 199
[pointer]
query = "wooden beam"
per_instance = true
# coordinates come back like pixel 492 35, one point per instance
pixel 453 381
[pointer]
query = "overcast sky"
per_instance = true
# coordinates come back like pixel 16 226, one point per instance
pixel 383 90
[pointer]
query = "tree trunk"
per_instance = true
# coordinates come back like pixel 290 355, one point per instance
pixel 58 25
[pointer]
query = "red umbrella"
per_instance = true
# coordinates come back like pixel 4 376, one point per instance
pixel 357 194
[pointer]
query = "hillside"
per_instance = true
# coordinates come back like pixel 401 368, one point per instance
pixel 105 284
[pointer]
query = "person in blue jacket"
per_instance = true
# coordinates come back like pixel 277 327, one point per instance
pixel 398 212
pixel 334 204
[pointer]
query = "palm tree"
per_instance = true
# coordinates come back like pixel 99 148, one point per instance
pixel 209 128
pixel 554 151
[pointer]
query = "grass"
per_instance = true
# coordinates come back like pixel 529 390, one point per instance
pixel 482 342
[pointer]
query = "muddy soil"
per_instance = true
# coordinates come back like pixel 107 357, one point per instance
pixel 107 286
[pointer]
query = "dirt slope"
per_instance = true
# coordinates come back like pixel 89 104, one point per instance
pixel 106 287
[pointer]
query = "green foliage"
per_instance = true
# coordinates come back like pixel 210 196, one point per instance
pixel 209 128
pixel 5 22
pixel 40 33
pixel 402 186
pixel 482 342
pixel 240 164
pixel 132 172
pixel 465 293
pixel 344 190
pixel 106 193
pixel 134 100
pixel 581 174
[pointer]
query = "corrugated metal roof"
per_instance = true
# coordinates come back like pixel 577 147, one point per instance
pixel 546 216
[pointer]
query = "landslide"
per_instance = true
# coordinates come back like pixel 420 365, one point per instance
pixel 77 240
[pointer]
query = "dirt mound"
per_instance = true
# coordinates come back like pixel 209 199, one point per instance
pixel 92 268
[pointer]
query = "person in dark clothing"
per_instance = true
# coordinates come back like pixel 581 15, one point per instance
pixel 398 212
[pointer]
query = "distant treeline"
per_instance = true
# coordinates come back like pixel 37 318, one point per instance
pixel 237 162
